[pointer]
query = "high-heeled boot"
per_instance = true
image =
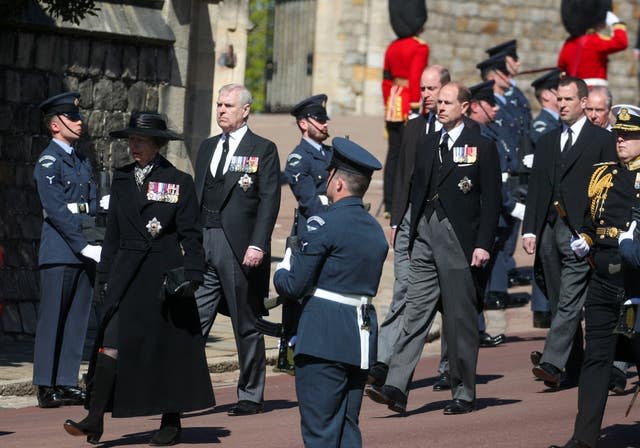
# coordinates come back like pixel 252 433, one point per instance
pixel 169 432
pixel 102 387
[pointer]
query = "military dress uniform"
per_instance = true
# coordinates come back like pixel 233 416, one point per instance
pixel 614 188
pixel 335 274
pixel 307 167
pixel 68 196
pixel 547 120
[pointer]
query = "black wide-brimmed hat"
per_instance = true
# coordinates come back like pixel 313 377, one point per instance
pixel 148 124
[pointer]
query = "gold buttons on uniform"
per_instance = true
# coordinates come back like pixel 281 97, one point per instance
pixel 601 221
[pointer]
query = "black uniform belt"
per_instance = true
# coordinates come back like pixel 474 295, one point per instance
pixel 610 232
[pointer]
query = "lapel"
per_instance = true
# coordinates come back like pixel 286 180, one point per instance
pixel 245 148
pixel 131 203
pixel 576 149
pixel 554 154
pixel 428 144
pixel 202 169
pixel 449 165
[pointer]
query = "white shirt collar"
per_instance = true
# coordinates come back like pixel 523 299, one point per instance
pixel 237 135
pixel 453 134
pixel 576 127
pixel 67 148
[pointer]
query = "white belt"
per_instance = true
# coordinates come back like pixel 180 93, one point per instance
pixel 505 176
pixel 596 82
pixel 357 302
pixel 76 208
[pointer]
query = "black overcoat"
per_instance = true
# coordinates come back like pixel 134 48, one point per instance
pixel 161 360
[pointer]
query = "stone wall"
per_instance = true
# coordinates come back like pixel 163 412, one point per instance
pixel 353 35
pixel 114 78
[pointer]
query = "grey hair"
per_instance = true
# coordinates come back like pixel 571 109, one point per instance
pixel 605 91
pixel 245 95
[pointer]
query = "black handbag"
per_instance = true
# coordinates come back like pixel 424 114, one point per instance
pixel 173 278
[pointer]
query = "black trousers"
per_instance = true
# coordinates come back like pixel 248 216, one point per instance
pixel 602 308
pixel 394 133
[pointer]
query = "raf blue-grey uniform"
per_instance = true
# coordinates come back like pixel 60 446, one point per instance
pixel 342 254
pixel 63 179
pixel 306 173
pixel 307 167
pixel 545 121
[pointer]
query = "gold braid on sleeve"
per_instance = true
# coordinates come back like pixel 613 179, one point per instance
pixel 598 186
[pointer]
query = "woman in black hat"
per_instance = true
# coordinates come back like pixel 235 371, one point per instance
pixel 149 356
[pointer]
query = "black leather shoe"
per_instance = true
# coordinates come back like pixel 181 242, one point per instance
pixel 520 276
pixel 457 406
pixel 541 319
pixel 48 397
pixel 377 374
pixel 245 407
pixel 91 429
pixel 573 443
pixel 166 436
pixel 496 300
pixel 518 299
pixel 443 382
pixel 486 340
pixel 71 396
pixel 389 395
pixel 565 383
pixel 548 373
pixel 535 356
pixel 618 381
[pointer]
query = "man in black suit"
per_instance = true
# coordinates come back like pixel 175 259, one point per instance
pixel 455 202
pixel 561 169
pixel 431 81
pixel 237 182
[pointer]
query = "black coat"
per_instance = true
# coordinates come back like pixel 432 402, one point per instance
pixel 248 217
pixel 473 215
pixel 161 360
pixel 594 145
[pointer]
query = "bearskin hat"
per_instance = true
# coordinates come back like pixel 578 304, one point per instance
pixel 578 16
pixel 407 16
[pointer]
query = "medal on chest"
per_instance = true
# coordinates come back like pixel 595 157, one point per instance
pixel 245 182
pixel 154 227
pixel 465 185
pixel 163 192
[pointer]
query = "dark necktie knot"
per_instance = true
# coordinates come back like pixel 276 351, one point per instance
pixel 432 123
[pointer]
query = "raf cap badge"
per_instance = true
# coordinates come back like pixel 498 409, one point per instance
pixel 245 182
pixel 465 185
pixel 154 227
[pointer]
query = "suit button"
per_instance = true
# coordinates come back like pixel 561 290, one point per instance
pixel 601 221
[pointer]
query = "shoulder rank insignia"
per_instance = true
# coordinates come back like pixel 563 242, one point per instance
pixel 314 223
pixel 154 227
pixel 245 182
pixel 46 161
pixel 636 184
pixel 294 159
pixel 243 164
pixel 465 154
pixel 465 185
pixel 163 192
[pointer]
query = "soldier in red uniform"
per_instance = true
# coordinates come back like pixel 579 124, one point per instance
pixel 585 54
pixel 404 61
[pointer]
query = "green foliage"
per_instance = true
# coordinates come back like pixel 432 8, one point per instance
pixel 70 10
pixel 259 50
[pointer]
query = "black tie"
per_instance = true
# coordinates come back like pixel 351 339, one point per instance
pixel 223 157
pixel 432 123
pixel 569 143
pixel 444 147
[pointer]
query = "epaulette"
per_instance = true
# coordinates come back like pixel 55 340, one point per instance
pixel 604 164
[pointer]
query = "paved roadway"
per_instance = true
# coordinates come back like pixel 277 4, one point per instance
pixel 513 411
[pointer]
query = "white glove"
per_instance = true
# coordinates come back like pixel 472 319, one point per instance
pixel 104 201
pixel 518 211
pixel 92 252
pixel 611 18
pixel 324 200
pixel 286 261
pixel 628 235
pixel 528 160
pixel 579 246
